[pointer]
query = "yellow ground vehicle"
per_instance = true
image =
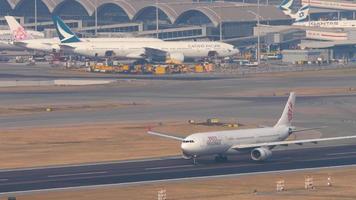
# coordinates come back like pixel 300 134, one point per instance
pixel 160 69
pixel 198 68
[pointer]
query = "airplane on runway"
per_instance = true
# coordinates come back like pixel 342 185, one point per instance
pixel 258 142
pixel 52 44
pixel 169 50
pixel 302 14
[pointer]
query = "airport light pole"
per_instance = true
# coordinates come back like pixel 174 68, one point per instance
pixel 309 14
pixel 258 53
pixel 157 19
pixel 258 34
pixel 220 25
pixel 35 15
pixel 96 18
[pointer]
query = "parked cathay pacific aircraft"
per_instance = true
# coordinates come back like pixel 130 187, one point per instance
pixel 177 51
pixel 257 142
pixel 52 44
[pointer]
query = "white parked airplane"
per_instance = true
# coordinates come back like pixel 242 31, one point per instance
pixel 258 142
pixel 302 14
pixel 53 44
pixel 176 51
pixel 16 32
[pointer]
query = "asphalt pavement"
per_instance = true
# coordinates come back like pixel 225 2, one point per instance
pixel 135 172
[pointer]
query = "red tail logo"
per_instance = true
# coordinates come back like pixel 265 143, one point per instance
pixel 20 34
pixel 290 111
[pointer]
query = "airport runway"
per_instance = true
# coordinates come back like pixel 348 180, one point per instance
pixel 165 169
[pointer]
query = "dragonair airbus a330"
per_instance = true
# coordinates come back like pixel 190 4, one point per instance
pixel 257 142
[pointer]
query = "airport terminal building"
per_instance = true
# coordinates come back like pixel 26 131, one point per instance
pixel 232 21
pixel 178 19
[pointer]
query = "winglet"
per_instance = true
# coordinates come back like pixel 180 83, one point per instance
pixel 287 115
pixel 149 128
pixel 308 129
pixel 65 34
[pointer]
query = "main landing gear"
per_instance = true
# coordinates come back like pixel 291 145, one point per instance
pixel 221 158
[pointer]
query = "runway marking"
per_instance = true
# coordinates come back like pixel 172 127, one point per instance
pixel 133 161
pixel 78 174
pixel 344 153
pixel 93 164
pixel 171 180
pixel 185 169
pixel 169 167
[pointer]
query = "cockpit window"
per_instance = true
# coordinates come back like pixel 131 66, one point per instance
pixel 188 141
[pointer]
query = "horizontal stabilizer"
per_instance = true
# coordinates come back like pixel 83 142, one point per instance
pixel 308 129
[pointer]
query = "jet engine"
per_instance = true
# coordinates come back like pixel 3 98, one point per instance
pixel 260 154
pixel 175 58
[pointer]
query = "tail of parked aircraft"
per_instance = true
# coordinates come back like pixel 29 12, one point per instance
pixel 287 115
pixel 302 13
pixel 18 31
pixel 286 4
pixel 65 34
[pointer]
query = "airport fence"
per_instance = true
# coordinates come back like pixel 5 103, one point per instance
pixel 243 70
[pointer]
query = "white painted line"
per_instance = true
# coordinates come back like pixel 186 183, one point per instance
pixel 172 180
pixel 169 167
pixel 3 180
pixel 92 164
pixel 128 161
pixel 344 153
pixel 78 174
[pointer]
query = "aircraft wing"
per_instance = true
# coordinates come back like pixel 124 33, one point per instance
pixel 307 129
pixel 286 143
pixel 19 43
pixel 155 54
pixel 165 135
pixel 136 55
pixel 66 46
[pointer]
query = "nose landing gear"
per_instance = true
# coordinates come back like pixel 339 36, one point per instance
pixel 195 160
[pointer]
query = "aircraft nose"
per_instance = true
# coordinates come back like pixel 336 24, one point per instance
pixel 185 148
pixel 189 149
